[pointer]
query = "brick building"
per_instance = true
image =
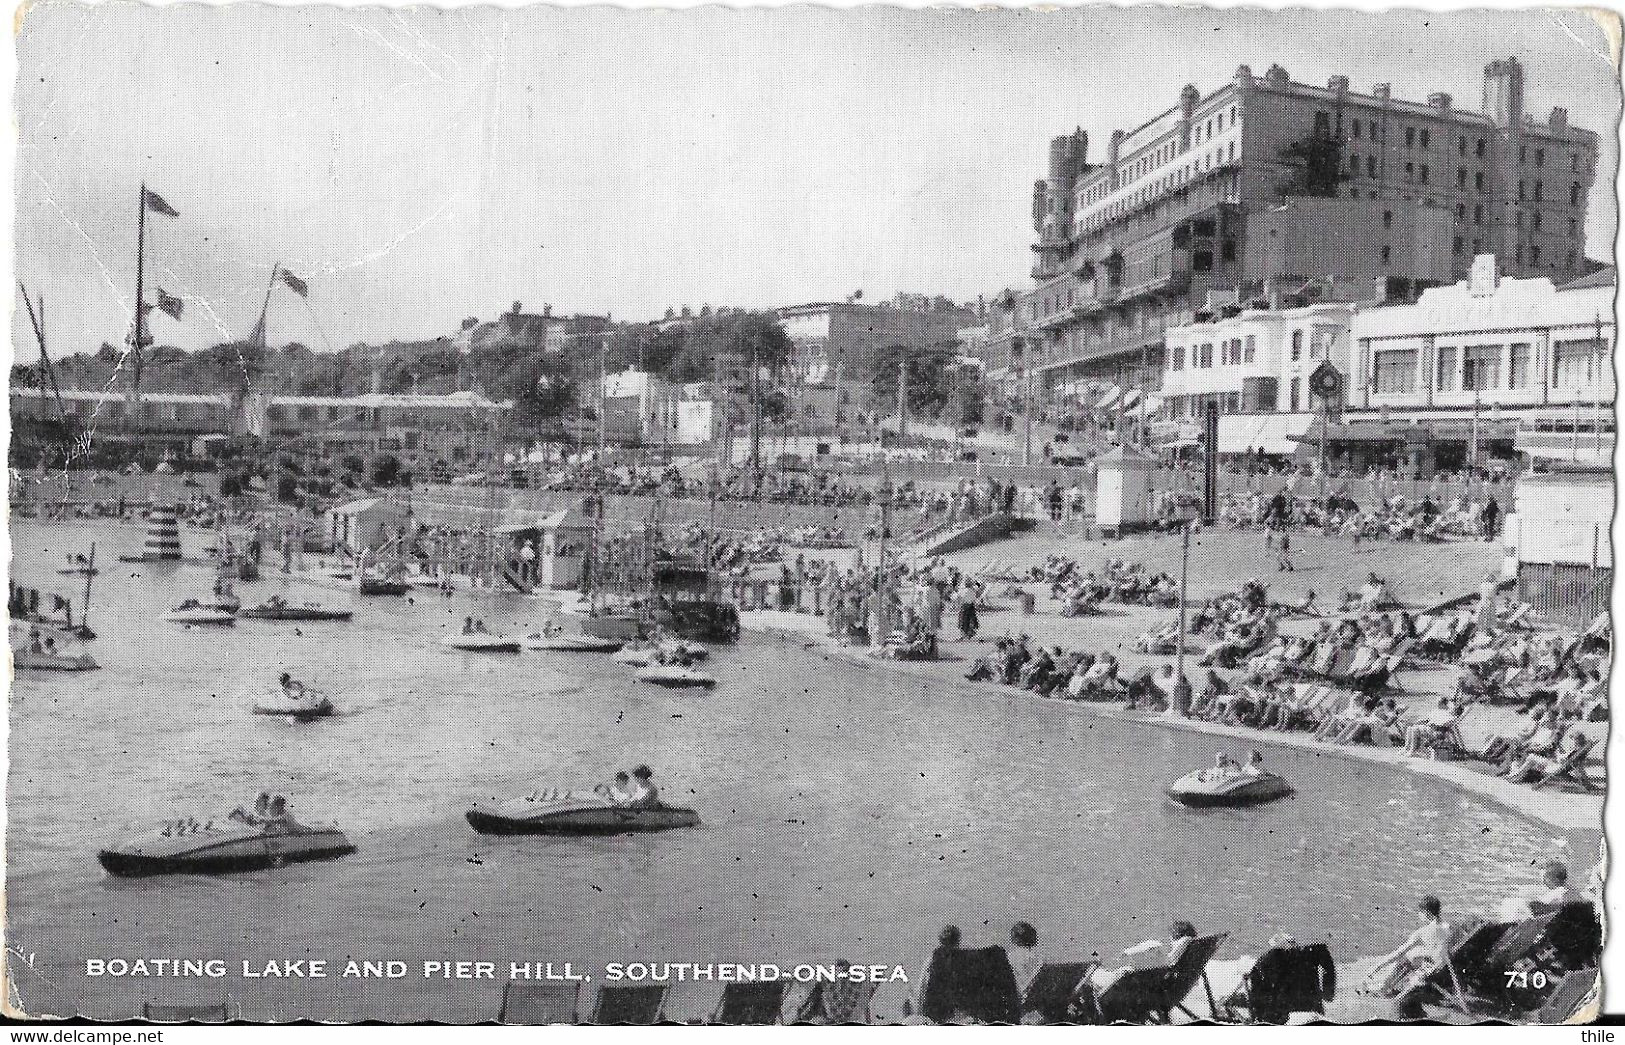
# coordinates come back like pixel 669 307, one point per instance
pixel 1265 179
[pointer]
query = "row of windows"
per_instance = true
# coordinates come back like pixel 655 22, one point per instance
pixel 1231 352
pixel 1486 368
pixel 1167 183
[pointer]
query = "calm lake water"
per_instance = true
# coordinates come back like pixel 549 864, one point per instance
pixel 847 812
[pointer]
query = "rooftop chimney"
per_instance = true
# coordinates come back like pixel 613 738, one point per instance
pixel 1276 77
pixel 1339 84
pixel 1382 90
pixel 1560 119
pixel 1439 100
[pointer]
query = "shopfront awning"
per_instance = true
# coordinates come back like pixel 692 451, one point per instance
pixel 1109 399
pixel 1262 433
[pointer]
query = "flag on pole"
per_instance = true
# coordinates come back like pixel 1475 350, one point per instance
pixel 170 305
pixel 295 284
pixel 158 205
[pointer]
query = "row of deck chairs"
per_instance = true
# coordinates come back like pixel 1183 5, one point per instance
pixel 975 985
pixel 1360 668
pixel 1551 958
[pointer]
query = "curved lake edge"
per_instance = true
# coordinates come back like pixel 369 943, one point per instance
pixel 1561 810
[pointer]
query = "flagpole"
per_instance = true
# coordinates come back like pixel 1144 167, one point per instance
pixel 259 328
pixel 140 307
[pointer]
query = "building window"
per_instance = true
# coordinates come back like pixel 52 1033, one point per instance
pixel 1481 369
pixel 1523 154
pixel 1387 253
pixel 1296 394
pixel 1410 171
pixel 1539 195
pixel 1534 221
pixel 1445 371
pixel 1455 247
pixel 1574 161
pixel 1394 373
pixel 1354 129
pixel 1540 157
pixel 1574 195
pixel 1297 351
pixel 1573 226
pixel 1519 372
pixel 1478 214
pixel 1248 351
pixel 1227 250
pixel 1323 122
pixel 1534 254
pixel 1422 176
pixel 1574 363
pixel 1478 148
pixel 1517 255
pixel 1571 261
pixel 1424 138
pixel 1461 146
pixel 1176 357
pixel 1478 181
pixel 1461 213
pixel 1354 164
pixel 1371 166
pixel 1461 177
pixel 1387 219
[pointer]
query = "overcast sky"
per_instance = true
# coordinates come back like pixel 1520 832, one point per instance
pixel 418 167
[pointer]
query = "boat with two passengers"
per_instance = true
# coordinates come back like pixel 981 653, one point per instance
pixel 675 676
pixel 280 609
pixel 30 650
pixel 563 812
pixel 554 639
pixel 221 847
pixel 194 612
pixel 296 701
pixel 1212 788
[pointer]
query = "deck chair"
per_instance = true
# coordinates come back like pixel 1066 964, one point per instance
pixel 540 1003
pixel 838 1004
pixel 1570 994
pixel 750 1004
pixel 1573 767
pixel 162 1012
pixel 1151 995
pixel 1056 991
pixel 635 1005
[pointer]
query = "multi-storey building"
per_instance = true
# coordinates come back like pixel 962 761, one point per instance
pixel 1267 179
pixel 842 337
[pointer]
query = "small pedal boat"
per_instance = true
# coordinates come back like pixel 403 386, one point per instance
pixel 559 812
pixel 221 847
pixel 569 643
pixel 673 676
pixel 481 642
pixel 1208 788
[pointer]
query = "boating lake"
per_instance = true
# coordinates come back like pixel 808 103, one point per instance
pixel 848 812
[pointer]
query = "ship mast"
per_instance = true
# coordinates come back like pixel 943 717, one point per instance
pixel 139 336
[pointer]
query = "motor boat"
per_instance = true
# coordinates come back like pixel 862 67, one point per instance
pixel 37 660
pixel 481 642
pixel 563 643
pixel 194 612
pixel 302 704
pixel 558 812
pixel 79 571
pixel 1209 787
pixel 279 609
pixel 370 585
pixel 674 676
pixel 221 847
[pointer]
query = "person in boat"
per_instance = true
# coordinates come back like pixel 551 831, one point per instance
pixel 479 627
pixel 50 646
pixel 1423 951
pixel 619 790
pixel 645 793
pixel 468 625
pixel 1223 766
pixel 278 820
pixel 1255 763
pixel 256 816
pixel 34 644
pixel 292 688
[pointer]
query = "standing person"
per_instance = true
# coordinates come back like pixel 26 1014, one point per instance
pixel 1284 560
pixel 1424 950
pixel 968 619
pixel 1489 517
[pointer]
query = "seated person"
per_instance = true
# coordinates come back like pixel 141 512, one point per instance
pixel 1534 767
pixel 1255 763
pixel 1556 891
pixel 1438 725
pixel 619 790
pixel 1422 952
pixel 1152 954
pixel 278 820
pixel 255 817
pixel 645 795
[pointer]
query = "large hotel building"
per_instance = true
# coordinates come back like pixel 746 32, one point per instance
pixel 1264 183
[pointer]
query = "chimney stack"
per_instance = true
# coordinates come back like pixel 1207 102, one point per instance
pixel 1439 100
pixel 1383 90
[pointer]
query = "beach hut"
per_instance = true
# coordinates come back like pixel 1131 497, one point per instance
pixel 364 524
pixel 566 539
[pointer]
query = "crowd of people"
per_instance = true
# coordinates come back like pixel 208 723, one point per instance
pixel 1338 515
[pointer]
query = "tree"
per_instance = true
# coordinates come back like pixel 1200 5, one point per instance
pixel 386 469
pixel 1314 166
pixel 928 370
